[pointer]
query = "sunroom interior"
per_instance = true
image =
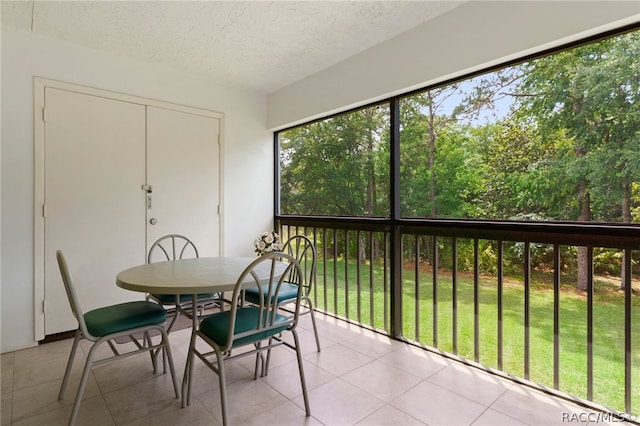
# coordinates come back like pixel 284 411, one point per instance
pixel 448 40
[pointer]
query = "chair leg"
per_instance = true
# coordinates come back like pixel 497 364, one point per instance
pixel 149 343
pixel 154 360
pixel 166 354
pixel 83 383
pixel 164 362
pixel 157 351
pixel 266 364
pixel 303 382
pixel 260 362
pixel 173 320
pixel 223 387
pixel 67 371
pixel 313 321
pixel 188 372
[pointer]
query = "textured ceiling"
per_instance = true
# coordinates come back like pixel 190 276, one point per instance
pixel 257 45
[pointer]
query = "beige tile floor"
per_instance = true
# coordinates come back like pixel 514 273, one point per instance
pixel 360 378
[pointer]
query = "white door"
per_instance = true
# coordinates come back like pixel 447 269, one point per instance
pixel 183 177
pixel 95 208
pixel 99 152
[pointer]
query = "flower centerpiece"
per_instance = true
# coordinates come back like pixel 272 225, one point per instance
pixel 267 242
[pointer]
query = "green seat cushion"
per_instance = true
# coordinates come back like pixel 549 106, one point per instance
pixel 170 299
pixel 124 316
pixel 288 291
pixel 216 326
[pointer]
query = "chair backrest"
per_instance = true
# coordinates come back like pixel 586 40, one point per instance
pixel 171 247
pixel 71 293
pixel 302 249
pixel 271 270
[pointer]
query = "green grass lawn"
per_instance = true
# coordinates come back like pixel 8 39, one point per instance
pixel 366 301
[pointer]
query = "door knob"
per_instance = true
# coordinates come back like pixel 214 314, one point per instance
pixel 153 221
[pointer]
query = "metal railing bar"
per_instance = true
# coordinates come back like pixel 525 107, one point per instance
pixel 527 308
pixel 590 323
pixel 386 281
pixel 476 300
pixel 358 288
pixel 454 293
pixel 371 279
pixel 628 358
pixel 500 273
pixel 335 270
pixel 396 247
pixel 346 273
pixel 324 267
pixel 416 248
pixel 377 224
pixel 581 234
pixel 557 265
pixel 434 281
pixel 614 235
pixel 315 276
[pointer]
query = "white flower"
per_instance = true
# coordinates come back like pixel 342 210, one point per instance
pixel 267 242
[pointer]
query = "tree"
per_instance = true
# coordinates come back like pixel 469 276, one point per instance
pixel 592 94
pixel 438 113
pixel 329 167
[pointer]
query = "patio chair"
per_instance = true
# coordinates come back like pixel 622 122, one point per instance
pixel 172 247
pixel 303 250
pixel 258 325
pixel 104 325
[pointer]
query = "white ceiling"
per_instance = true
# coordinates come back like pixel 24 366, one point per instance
pixel 257 45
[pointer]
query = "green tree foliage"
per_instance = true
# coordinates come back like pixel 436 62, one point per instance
pixel 456 177
pixel 591 94
pixel 525 174
pixel 338 166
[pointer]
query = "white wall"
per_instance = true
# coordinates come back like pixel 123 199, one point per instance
pixel 247 161
pixel 468 38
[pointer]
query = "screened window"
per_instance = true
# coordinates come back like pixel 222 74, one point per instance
pixel 338 166
pixel 552 139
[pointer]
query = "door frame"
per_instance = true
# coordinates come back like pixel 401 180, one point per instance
pixel 39 86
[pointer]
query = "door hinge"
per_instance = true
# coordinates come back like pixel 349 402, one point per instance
pixel 44 114
pixel 218 209
pixel 44 210
pixel 44 306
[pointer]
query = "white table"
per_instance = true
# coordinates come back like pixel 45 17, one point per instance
pixel 185 276
pixel 191 276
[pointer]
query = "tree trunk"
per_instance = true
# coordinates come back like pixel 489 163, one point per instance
pixel 370 165
pixel 585 216
pixel 432 156
pixel 362 252
pixel 626 218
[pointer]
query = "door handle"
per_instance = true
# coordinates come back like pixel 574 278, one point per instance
pixel 149 190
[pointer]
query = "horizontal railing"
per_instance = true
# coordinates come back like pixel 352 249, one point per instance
pixel 499 295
